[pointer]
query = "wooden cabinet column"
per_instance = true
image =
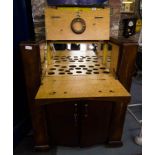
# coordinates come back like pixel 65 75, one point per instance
pixel 30 53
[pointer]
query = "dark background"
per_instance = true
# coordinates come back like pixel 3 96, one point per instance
pixel 22 31
pixel 75 2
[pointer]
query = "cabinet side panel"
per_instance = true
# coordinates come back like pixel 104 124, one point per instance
pixel 117 124
pixel 127 65
pixel 32 71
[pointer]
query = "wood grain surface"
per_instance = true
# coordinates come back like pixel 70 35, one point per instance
pixel 78 85
pixel 57 23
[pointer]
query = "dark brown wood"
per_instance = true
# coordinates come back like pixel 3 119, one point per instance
pixel 32 67
pixel 63 123
pixel 95 120
pixel 32 71
pixel 127 56
pixel 127 65
pixel 116 124
pixel 121 40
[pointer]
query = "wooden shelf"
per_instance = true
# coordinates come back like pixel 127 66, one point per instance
pixel 78 84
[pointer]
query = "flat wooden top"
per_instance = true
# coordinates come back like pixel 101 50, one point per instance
pixel 79 85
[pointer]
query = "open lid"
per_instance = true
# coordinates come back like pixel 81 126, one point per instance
pixel 77 24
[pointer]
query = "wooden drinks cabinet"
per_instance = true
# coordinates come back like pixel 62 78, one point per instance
pixel 74 101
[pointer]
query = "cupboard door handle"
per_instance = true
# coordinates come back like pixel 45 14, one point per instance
pixel 75 114
pixel 86 111
pixel 75 119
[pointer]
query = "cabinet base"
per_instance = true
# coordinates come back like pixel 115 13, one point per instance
pixel 114 144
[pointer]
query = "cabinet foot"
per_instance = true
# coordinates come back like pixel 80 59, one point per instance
pixel 41 148
pixel 114 144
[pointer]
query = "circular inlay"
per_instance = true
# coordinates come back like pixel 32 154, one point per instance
pixel 78 25
pixel 70 73
pixel 72 66
pixel 111 91
pixel 52 68
pixel 96 72
pixel 91 66
pixel 61 73
pixel 88 72
pixel 78 72
pixel 51 73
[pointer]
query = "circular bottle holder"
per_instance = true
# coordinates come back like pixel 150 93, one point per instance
pixel 78 25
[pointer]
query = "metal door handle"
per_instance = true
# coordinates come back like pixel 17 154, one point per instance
pixel 86 111
pixel 75 114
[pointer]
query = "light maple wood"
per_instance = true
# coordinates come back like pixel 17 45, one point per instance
pixel 63 60
pixel 114 58
pixel 80 86
pixel 57 23
pixel 77 87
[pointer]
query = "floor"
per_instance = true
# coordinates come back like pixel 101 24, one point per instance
pixel 131 129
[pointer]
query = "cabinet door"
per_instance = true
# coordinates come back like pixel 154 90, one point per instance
pixel 95 119
pixel 62 122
